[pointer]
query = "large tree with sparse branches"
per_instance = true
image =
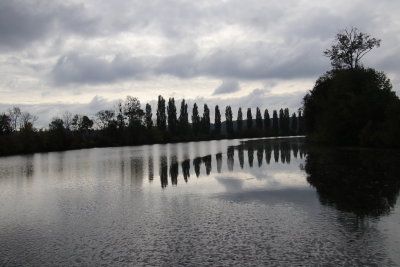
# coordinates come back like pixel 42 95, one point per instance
pixel 349 47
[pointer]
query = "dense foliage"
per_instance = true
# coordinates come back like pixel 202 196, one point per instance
pixel 129 124
pixel 354 106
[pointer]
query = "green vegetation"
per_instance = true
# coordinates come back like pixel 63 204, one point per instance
pixel 352 105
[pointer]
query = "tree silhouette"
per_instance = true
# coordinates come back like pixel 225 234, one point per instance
pixel 133 111
pixel 149 117
pixel 196 121
pixel 217 123
pixel 351 45
pixel 5 124
pixel 267 122
pixel 294 124
pixel 259 121
pixel 172 117
pixel 275 122
pixel 229 120
pixel 161 117
pixel 239 120
pixel 249 119
pixel 183 118
pixel 205 120
pixel 104 118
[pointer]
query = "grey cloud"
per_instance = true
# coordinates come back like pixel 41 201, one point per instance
pixel 226 87
pixel 23 23
pixel 253 61
pixel 87 69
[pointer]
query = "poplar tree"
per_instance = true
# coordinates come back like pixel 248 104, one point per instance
pixel 249 119
pixel 195 119
pixel 148 117
pixel 229 121
pixel 275 123
pixel 259 121
pixel 205 120
pixel 267 122
pixel 172 120
pixel 161 117
pixel 183 122
pixel 217 123
pixel 239 120
pixel 294 124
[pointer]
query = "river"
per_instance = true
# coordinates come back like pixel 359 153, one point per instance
pixel 258 202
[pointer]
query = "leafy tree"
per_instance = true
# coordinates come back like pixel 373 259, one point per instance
pixel 229 120
pixel 67 119
pixel 351 45
pixel 183 118
pixel 195 119
pixel 267 122
pixel 172 117
pixel 217 122
pixel 104 118
pixel 27 120
pixel 259 121
pixel 14 114
pixel 5 124
pixel 148 117
pixel 120 115
pixel 133 111
pixel 239 120
pixel 249 119
pixel 351 107
pixel 57 124
pixel 85 123
pixel 205 120
pixel 161 117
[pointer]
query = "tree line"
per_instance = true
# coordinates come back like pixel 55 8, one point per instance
pixel 129 124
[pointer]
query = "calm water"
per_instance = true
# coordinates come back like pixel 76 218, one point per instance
pixel 236 202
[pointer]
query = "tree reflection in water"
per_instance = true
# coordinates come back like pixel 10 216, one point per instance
pixel 364 182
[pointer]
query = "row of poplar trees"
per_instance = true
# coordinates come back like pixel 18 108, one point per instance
pixel 167 120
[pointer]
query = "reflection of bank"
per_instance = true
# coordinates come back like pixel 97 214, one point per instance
pixel 281 148
pixel 365 183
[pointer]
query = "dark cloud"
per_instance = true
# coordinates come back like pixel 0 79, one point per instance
pixel 87 69
pixel 23 23
pixel 227 87
pixel 252 62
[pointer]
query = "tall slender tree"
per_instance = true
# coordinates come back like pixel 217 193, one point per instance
pixel 205 120
pixel 172 119
pixel 294 124
pixel 217 121
pixel 259 121
pixel 275 123
pixel 239 121
pixel 249 119
pixel 267 122
pixel 183 118
pixel 161 117
pixel 229 120
pixel 281 122
pixel 149 117
pixel 195 119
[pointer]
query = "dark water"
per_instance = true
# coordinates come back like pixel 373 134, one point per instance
pixel 246 203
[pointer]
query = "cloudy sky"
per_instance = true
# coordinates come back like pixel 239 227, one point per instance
pixel 82 56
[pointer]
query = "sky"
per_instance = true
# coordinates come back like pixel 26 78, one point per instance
pixel 82 56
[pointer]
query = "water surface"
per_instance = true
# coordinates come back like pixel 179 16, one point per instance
pixel 229 202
